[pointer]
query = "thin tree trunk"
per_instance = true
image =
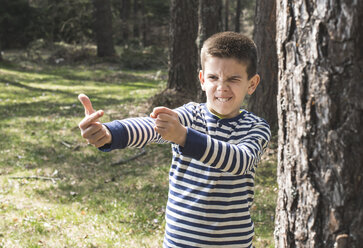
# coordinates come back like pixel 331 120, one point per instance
pixel 144 24
pixel 136 19
pixel 263 101
pixel 125 18
pixel 183 49
pixel 103 28
pixel 238 16
pixel 226 15
pixel 320 169
pixel 210 22
pixel 1 51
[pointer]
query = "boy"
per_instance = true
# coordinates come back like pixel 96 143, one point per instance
pixel 216 147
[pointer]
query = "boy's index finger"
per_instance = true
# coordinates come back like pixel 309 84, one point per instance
pixel 86 102
pixel 89 119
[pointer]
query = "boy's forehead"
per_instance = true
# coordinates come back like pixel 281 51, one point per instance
pixel 213 63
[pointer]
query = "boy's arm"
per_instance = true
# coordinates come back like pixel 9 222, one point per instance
pixel 132 132
pixel 137 132
pixel 236 159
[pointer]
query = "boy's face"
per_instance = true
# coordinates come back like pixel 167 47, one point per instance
pixel 226 84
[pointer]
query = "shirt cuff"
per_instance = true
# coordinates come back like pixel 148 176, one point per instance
pixel 119 134
pixel 195 144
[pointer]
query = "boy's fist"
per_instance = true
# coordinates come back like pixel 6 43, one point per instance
pixel 167 124
pixel 91 128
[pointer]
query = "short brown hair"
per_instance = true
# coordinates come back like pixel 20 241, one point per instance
pixel 231 45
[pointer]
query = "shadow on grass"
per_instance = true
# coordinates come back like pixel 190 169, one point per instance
pixel 139 187
pixel 114 77
pixel 72 74
pixel 53 108
pixel 30 88
pixel 87 177
pixel 47 107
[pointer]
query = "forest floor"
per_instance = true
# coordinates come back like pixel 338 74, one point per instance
pixel 57 191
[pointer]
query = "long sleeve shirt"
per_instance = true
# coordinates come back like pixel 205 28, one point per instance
pixel 211 179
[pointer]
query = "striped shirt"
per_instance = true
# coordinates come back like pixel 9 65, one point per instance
pixel 211 179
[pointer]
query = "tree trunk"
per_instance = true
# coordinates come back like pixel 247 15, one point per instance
pixel 125 18
pixel 183 48
pixel 226 15
pixel 103 28
pixel 263 101
pixel 144 24
pixel 136 19
pixel 210 22
pixel 238 16
pixel 320 109
pixel 1 51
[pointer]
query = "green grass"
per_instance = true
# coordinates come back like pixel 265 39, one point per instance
pixel 263 208
pixel 94 204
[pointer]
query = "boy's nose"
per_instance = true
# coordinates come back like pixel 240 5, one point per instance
pixel 222 86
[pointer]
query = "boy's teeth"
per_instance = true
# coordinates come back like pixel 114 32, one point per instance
pixel 222 99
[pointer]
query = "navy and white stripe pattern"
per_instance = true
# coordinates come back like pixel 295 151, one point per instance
pixel 211 178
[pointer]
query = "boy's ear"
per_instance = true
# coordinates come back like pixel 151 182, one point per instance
pixel 254 81
pixel 201 79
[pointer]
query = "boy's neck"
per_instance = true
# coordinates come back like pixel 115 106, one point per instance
pixel 219 116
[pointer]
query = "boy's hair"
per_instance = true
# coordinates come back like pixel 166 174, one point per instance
pixel 231 45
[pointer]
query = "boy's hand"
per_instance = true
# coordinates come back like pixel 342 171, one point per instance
pixel 168 126
pixel 91 128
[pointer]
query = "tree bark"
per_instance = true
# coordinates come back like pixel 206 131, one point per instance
pixel 320 109
pixel 125 18
pixel 263 101
pixel 183 48
pixel 210 19
pixel 144 24
pixel 238 16
pixel 103 28
pixel 226 15
pixel 1 55
pixel 210 22
pixel 136 19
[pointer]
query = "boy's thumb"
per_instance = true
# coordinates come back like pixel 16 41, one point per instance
pixel 86 102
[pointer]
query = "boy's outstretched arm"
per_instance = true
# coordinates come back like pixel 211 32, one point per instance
pixel 235 158
pixel 167 124
pixel 91 128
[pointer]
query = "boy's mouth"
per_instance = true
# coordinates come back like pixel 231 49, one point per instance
pixel 223 99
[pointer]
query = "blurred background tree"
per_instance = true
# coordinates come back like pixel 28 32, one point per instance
pixel 16 30
pixel 263 101
pixel 103 28
pixel 138 34
pixel 135 23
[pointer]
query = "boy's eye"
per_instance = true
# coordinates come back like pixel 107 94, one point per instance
pixel 234 80
pixel 212 77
